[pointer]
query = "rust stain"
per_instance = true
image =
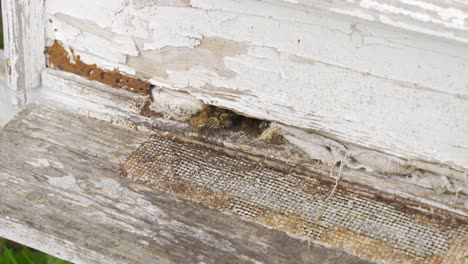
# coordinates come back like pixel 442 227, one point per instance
pixel 60 59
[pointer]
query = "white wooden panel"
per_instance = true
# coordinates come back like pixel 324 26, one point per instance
pixel 398 91
pixel 440 18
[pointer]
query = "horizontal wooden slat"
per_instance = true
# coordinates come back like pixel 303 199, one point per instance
pixel 93 99
pixel 60 192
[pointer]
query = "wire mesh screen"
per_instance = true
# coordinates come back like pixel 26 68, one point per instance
pixel 352 220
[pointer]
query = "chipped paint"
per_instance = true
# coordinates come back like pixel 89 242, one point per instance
pixel 158 64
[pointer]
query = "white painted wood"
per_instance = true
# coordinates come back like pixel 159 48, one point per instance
pixel 389 89
pixel 439 18
pixel 23 27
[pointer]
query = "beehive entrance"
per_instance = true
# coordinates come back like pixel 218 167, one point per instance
pixel 349 219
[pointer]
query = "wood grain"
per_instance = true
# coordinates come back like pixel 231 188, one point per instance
pixel 60 193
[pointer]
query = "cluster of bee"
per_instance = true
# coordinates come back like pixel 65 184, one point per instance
pixel 215 118
pixel 220 119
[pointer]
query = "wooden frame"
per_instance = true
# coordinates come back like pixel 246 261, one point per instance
pixel 24 52
pixel 406 34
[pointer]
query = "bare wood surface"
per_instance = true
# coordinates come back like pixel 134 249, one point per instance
pixel 60 192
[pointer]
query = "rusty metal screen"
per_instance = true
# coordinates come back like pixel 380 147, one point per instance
pixel 350 219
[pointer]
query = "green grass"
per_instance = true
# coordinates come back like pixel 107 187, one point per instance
pixel 11 253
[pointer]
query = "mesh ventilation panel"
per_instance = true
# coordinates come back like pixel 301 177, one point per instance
pixel 356 222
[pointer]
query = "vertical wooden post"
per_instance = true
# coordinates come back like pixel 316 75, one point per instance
pixel 24 38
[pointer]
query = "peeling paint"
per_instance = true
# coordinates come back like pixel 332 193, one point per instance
pixel 210 53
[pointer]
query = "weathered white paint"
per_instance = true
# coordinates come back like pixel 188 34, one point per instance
pixel 358 81
pixel 24 46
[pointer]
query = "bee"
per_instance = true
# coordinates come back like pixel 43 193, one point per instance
pixel 263 125
pixel 220 120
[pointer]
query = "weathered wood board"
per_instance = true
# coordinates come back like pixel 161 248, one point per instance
pixel 379 86
pixel 60 192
